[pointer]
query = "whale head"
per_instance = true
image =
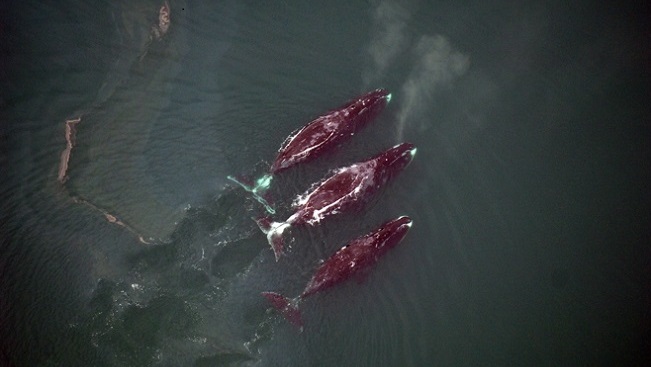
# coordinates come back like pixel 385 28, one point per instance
pixel 397 158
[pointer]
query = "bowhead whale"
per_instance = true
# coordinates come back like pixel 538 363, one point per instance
pixel 322 134
pixel 351 260
pixel 326 131
pixel 347 189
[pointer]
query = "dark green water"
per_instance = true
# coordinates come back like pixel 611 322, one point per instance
pixel 529 192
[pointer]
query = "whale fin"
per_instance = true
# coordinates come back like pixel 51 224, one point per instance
pixel 286 307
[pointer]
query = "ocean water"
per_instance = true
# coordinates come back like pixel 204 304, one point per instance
pixel 529 191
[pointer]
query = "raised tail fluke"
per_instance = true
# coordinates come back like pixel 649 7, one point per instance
pixel 286 307
pixel 274 232
pixel 264 223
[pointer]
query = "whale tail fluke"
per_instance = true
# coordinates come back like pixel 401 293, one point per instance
pixel 243 181
pixel 288 308
pixel 264 223
pixel 256 189
pixel 274 232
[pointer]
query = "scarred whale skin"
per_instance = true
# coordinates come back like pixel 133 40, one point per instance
pixel 327 130
pixel 346 189
pixel 351 260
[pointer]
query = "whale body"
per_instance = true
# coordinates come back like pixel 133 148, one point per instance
pixel 347 189
pixel 329 129
pixel 351 260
